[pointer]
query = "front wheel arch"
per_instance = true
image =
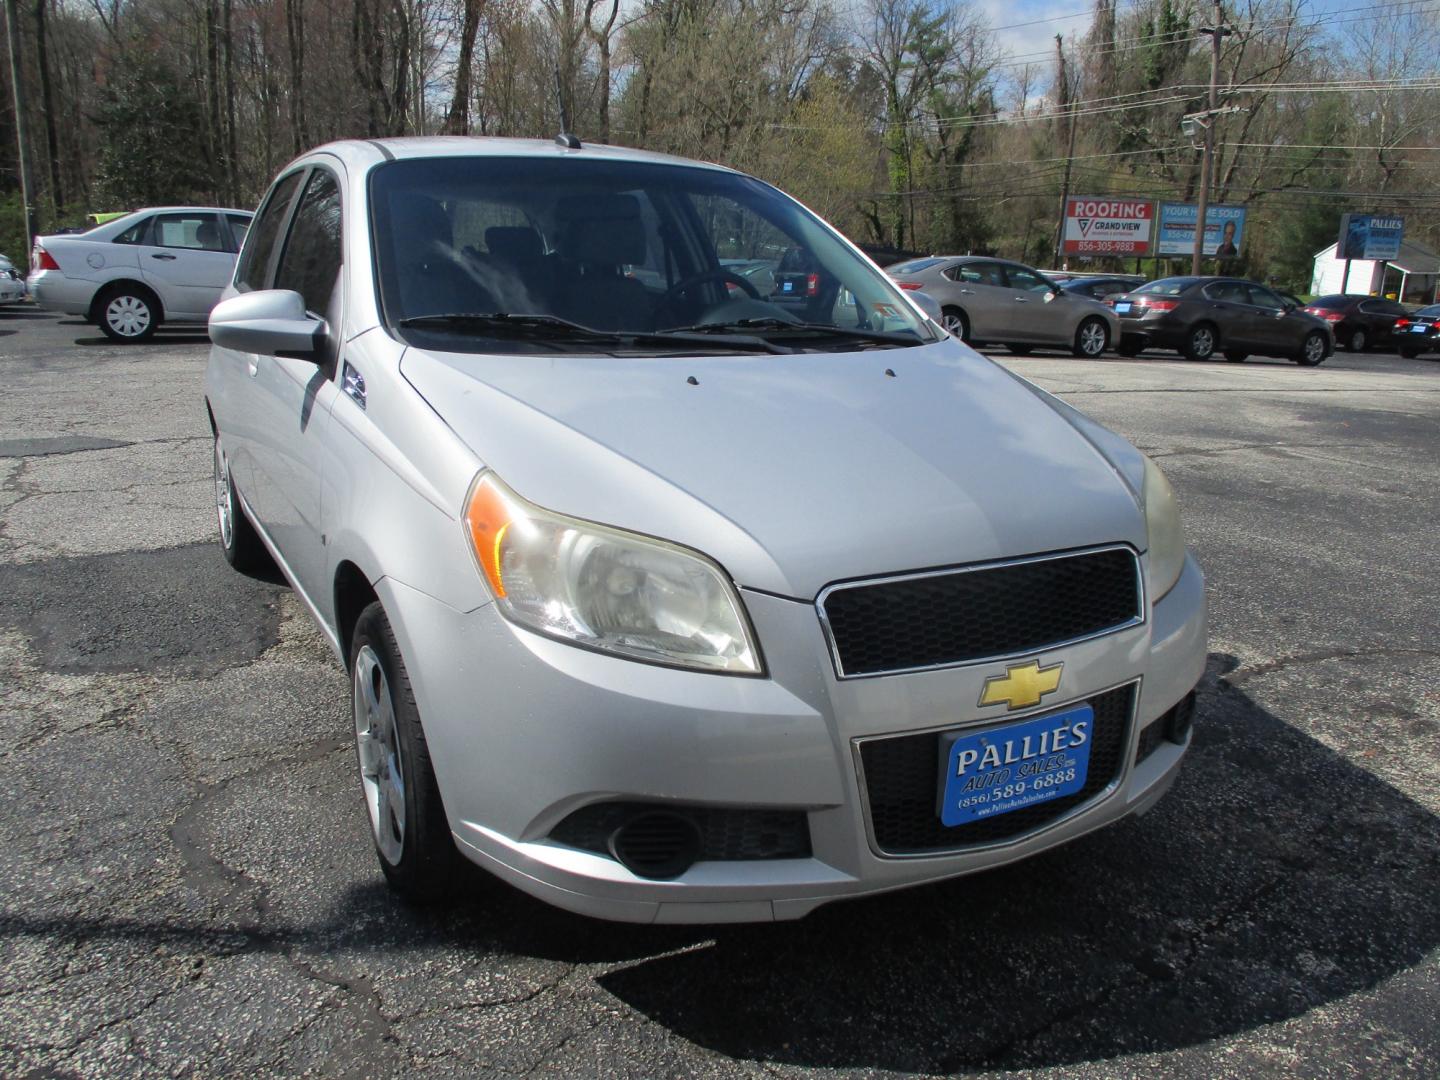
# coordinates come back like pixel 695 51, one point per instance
pixel 353 594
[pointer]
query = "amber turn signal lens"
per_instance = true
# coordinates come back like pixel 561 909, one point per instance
pixel 487 515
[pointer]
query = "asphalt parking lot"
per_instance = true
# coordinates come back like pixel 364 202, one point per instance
pixel 187 885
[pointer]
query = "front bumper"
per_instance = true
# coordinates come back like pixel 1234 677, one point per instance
pixel 524 730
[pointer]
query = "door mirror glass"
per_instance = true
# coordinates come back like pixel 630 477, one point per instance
pixel 272 322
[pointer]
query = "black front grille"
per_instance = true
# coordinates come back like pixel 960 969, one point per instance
pixel 966 615
pixel 902 775
pixel 725 834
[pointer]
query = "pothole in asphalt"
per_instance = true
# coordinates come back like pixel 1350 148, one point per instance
pixel 175 610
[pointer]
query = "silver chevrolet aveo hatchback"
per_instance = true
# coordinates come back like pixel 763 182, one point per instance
pixel 672 593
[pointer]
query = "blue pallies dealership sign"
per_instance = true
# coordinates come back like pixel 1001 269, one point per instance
pixel 1370 236
pixel 1224 230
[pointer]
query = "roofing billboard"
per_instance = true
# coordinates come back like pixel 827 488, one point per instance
pixel 1096 225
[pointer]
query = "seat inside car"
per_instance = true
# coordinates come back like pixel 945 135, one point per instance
pixel 515 268
pixel 598 236
pixel 429 272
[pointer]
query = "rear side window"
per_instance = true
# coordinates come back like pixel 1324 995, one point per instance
pixel 134 234
pixel 255 260
pixel 982 274
pixel 1382 307
pixel 310 261
pixel 197 232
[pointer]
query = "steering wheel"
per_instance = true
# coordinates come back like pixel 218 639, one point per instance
pixel 717 274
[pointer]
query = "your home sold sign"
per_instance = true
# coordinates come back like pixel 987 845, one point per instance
pixel 1100 226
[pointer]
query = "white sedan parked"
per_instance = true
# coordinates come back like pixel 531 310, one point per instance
pixel 164 264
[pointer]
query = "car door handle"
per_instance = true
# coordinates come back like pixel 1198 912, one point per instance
pixel 967 292
pixel 1022 300
pixel 163 255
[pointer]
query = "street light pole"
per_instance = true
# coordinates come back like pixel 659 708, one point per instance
pixel 1217 34
pixel 12 30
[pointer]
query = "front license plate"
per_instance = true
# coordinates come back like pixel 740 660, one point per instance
pixel 1123 308
pixel 1022 764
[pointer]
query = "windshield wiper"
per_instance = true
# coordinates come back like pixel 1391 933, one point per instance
pixel 553 328
pixel 774 323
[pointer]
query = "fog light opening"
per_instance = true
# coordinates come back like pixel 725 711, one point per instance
pixel 1177 728
pixel 658 845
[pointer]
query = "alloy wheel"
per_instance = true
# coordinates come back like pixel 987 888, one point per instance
pixel 1314 349
pixel 223 497
pixel 382 775
pixel 1093 339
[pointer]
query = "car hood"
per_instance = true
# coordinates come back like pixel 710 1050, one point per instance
pixel 795 471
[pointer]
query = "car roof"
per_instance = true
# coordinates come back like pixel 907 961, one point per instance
pixel 366 153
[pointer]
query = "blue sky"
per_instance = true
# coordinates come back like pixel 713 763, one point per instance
pixel 1072 17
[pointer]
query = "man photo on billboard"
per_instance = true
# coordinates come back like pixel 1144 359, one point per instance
pixel 1357 236
pixel 1227 248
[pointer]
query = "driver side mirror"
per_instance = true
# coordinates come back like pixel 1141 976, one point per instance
pixel 271 322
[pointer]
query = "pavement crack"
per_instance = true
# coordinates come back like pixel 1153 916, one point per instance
pixel 206 872
pixel 1244 674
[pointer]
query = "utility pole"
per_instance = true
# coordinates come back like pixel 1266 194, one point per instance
pixel 1217 34
pixel 12 31
pixel 1069 153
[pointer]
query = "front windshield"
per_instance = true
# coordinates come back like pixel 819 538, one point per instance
pixel 616 246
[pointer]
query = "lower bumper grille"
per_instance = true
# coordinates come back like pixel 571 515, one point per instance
pixel 726 835
pixel 902 775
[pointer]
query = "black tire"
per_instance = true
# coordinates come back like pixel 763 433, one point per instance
pixel 1311 355
pixel 1358 341
pixel 239 542
pixel 1129 348
pixel 1087 344
pixel 1410 354
pixel 1235 356
pixel 1021 350
pixel 956 322
pixel 420 862
pixel 128 314
pixel 1201 341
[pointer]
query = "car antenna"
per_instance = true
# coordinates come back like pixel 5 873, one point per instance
pixel 565 139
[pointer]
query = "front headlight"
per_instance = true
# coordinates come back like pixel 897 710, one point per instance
pixel 606 589
pixel 1167 538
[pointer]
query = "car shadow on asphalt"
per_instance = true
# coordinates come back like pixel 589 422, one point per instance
pixel 1275 877
pixel 161 338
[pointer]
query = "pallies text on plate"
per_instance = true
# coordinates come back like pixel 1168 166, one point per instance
pixel 1013 750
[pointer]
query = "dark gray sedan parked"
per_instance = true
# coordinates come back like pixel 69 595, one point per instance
pixel 998 302
pixel 1202 316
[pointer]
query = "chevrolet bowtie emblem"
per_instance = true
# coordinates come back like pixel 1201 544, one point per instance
pixel 1022 685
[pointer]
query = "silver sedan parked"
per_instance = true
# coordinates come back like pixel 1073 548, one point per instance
pixel 660 600
pixel 998 302
pixel 164 264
